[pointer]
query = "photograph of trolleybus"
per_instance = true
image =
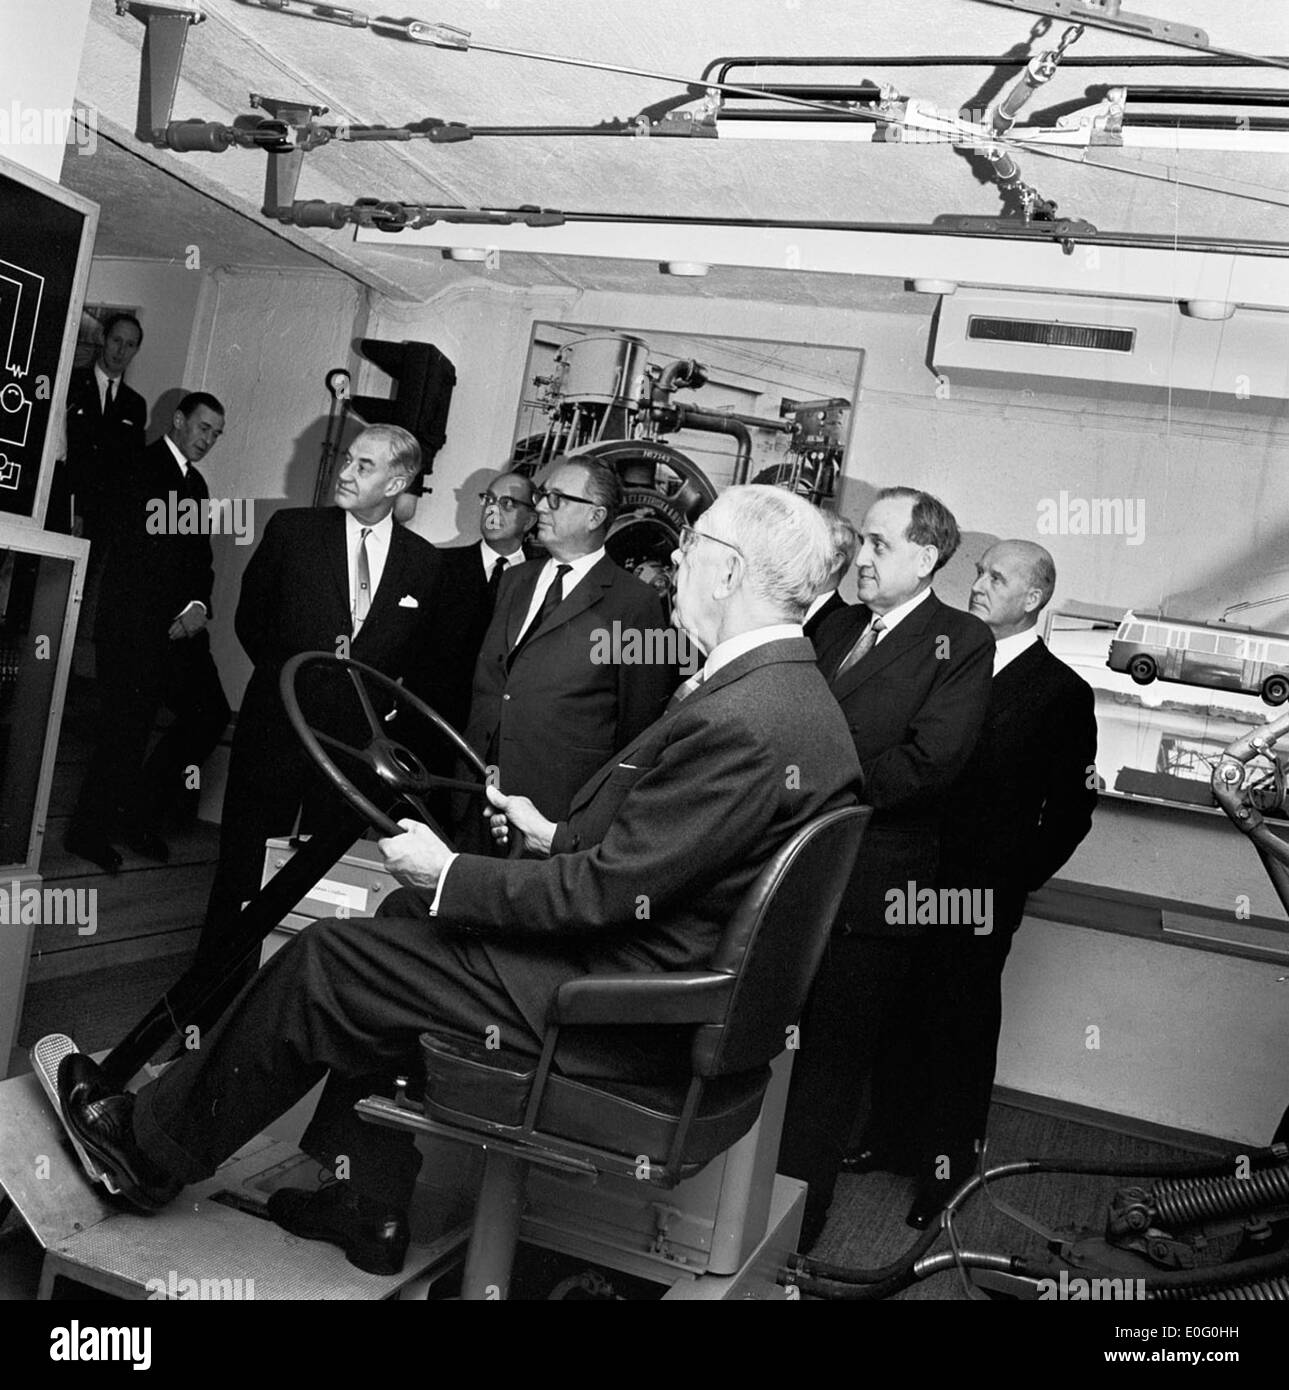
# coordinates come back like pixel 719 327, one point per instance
pixel 1151 646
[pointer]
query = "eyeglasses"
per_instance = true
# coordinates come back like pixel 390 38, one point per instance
pixel 555 499
pixel 507 504
pixel 689 538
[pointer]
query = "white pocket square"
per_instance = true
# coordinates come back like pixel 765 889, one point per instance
pixel 407 601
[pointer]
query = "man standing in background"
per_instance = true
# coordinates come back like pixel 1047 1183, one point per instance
pixel 470 580
pixel 545 712
pixel 152 647
pixel 912 677
pixel 1011 821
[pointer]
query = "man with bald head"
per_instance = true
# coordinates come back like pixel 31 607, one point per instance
pixel 1013 818
pixel 470 578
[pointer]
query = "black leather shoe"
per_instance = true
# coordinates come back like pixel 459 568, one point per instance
pixel 928 1204
pixel 101 1120
pixel 872 1161
pixel 91 845
pixel 373 1237
pixel 149 844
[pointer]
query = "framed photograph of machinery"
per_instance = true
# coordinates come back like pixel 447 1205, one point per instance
pixel 46 236
pixel 1171 694
pixel 683 415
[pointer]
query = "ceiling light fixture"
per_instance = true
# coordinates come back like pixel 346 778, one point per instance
pixel 465 253
pixel 925 286
pixel 683 267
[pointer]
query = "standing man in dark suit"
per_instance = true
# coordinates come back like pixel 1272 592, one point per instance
pixel 105 424
pixel 545 711
pixel 470 580
pixel 342 579
pixel 827 601
pixel 686 815
pixel 912 677
pixel 151 644
pixel 1012 819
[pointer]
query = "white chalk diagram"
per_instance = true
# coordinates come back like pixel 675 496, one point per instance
pixel 21 294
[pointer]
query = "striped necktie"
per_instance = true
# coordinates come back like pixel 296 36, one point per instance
pixel 865 644
pixel 362 588
pixel 684 691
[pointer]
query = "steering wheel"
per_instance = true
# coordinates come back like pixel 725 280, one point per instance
pixel 397 766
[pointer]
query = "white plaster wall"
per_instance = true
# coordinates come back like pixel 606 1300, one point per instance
pixel 40 55
pixel 263 342
pixel 166 297
pixel 1191 1039
pixel 1183 1038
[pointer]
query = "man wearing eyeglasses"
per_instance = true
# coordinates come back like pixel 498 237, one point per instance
pixel 679 823
pixel 544 711
pixel 470 579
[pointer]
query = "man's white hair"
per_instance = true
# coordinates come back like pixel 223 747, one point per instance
pixel 786 543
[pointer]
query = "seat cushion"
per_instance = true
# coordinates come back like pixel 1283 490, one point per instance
pixel 467 1083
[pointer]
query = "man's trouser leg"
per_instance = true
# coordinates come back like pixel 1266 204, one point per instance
pixel 349 998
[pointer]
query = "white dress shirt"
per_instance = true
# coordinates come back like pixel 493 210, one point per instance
pixel 577 571
pixel 377 552
pixel 1009 648
pixel 489 556
pixel 892 620
pixel 101 379
pixel 178 456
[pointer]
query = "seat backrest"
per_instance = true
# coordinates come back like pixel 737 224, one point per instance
pixel 775 941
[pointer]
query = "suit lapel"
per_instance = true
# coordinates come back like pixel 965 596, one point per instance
pixel 521 597
pixel 1014 684
pixel 910 633
pixel 337 557
pixel 585 595
pixel 391 587
pixel 788 649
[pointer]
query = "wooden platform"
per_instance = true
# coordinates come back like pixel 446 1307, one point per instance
pixel 95 986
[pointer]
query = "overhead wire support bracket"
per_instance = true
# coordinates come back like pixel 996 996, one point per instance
pixel 1107 14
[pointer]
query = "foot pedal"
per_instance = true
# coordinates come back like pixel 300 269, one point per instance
pixel 45 1058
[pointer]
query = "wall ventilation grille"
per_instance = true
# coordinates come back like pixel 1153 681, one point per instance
pixel 1038 333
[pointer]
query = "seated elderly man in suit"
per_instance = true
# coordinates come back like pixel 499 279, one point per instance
pixel 686 816
pixel 546 711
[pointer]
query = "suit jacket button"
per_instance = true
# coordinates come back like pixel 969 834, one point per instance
pixel 505 697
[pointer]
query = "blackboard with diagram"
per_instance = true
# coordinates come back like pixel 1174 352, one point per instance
pixel 46 237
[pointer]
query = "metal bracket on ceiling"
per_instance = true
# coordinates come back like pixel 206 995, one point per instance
pixel 391 216
pixel 1106 14
pixel 1063 230
pixel 165 34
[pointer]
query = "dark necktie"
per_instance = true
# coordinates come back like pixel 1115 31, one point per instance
pixel 867 641
pixel 551 600
pixel 362 592
pixel 109 397
pixel 494 582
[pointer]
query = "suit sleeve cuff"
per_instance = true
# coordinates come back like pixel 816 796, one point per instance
pixel 563 841
pixel 443 878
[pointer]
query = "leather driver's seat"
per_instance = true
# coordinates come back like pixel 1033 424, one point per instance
pixel 740 1009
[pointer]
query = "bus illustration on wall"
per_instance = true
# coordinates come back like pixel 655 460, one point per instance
pixel 1152 646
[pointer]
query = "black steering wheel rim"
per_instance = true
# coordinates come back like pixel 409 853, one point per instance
pixel 392 761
